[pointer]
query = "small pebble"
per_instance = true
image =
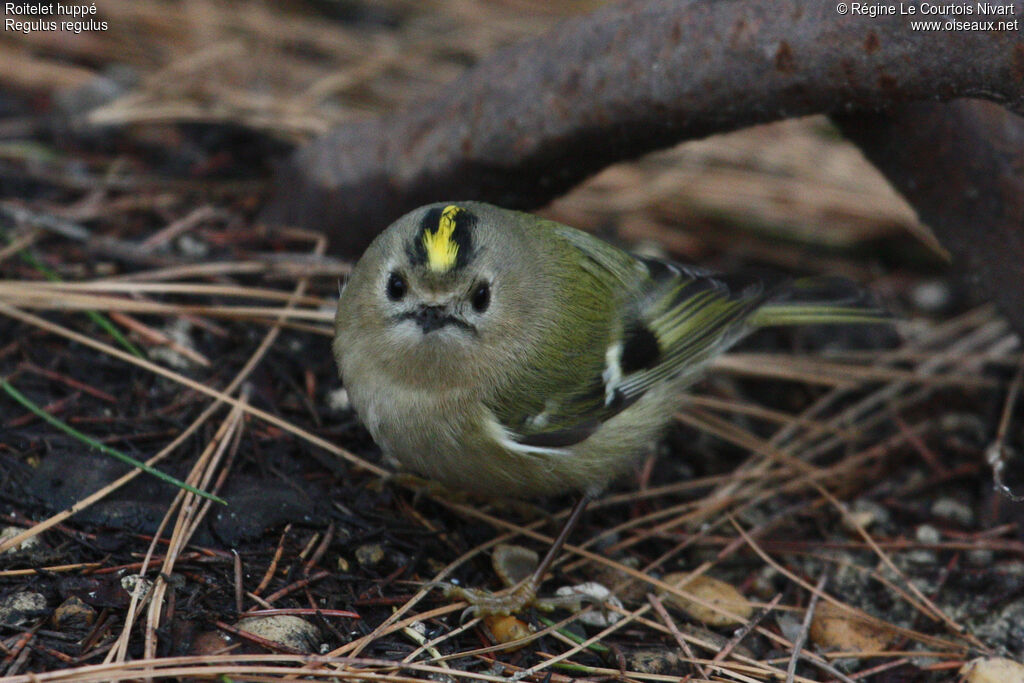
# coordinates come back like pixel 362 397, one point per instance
pixel 29 543
pixel 133 583
pixel 18 608
pixel 370 554
pixel 628 588
pixel 981 557
pixel 193 247
pixel 953 510
pixel 926 533
pixel 932 296
pixel 922 558
pixel 73 614
pixel 591 593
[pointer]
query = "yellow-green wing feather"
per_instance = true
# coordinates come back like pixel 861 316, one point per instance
pixel 670 320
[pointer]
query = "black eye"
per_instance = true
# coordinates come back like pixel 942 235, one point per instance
pixel 396 286
pixel 481 297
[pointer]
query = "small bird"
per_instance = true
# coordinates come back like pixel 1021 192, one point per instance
pixel 507 355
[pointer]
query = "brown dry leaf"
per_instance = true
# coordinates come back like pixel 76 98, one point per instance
pixel 847 630
pixel 713 591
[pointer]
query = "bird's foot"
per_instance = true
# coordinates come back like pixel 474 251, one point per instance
pixel 484 603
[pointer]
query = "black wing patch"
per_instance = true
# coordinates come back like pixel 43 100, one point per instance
pixel 640 348
pixel 690 315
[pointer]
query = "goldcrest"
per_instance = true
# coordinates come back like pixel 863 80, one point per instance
pixel 503 354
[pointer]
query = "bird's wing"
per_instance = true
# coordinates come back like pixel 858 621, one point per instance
pixel 673 320
pixel 688 318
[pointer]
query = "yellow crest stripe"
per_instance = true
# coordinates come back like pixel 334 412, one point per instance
pixel 440 245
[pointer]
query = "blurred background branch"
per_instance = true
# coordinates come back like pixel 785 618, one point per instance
pixel 530 122
pixel 546 102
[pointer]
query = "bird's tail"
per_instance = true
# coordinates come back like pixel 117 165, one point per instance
pixel 819 300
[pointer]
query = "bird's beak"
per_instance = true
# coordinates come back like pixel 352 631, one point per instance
pixel 431 318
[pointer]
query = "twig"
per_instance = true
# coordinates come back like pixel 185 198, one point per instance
pixel 805 627
pixel 272 567
pixel 674 630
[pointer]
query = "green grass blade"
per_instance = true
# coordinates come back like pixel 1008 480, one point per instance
pixel 68 429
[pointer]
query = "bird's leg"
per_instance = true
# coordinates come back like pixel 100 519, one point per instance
pixel 485 603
